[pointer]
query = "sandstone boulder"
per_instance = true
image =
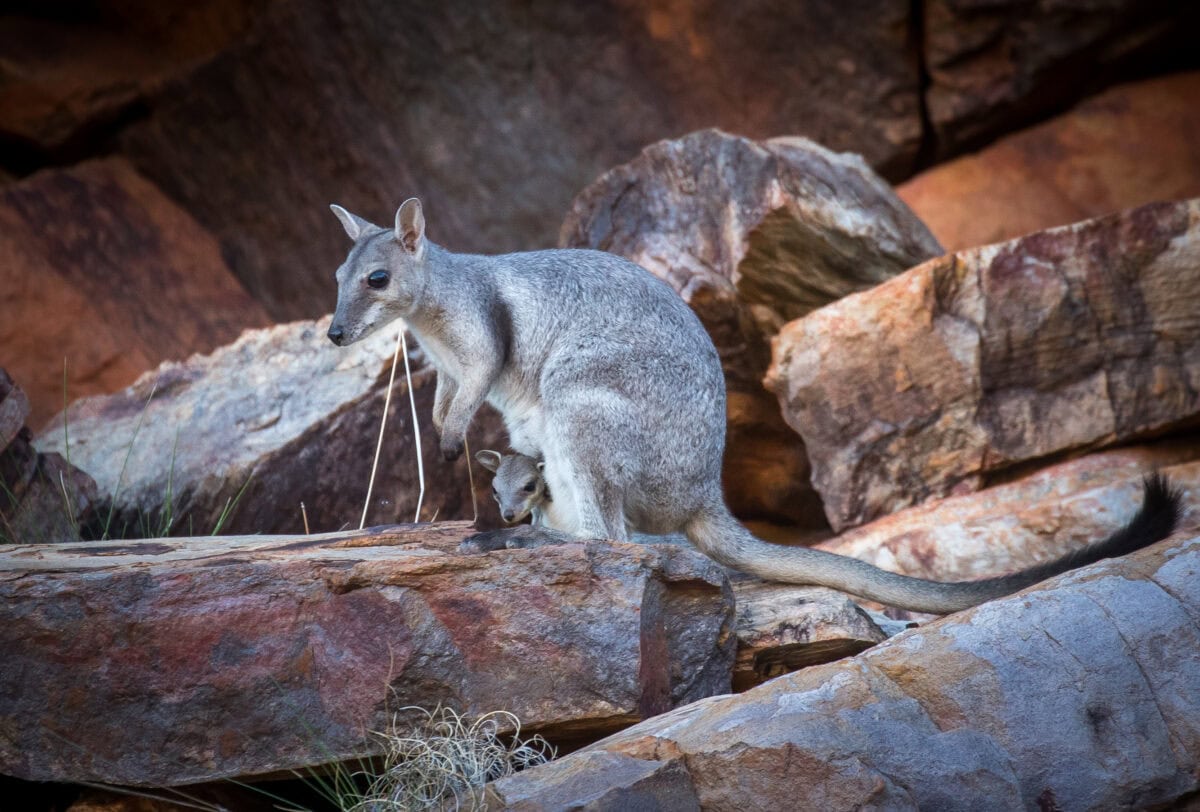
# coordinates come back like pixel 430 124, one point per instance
pixel 286 415
pixel 101 271
pixel 1081 693
pixel 43 498
pixel 496 115
pixel 752 235
pixel 172 661
pixel 976 362
pixel 994 65
pixel 1128 146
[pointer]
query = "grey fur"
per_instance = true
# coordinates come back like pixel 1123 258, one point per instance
pixel 519 487
pixel 601 370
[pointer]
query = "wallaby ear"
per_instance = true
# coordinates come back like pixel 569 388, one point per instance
pixel 353 224
pixel 488 459
pixel 410 226
pixel 541 466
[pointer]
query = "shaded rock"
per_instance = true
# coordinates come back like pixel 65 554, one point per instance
pixel 101 270
pixel 496 115
pixel 286 415
pixel 972 363
pixel 994 64
pixel 1128 146
pixel 1015 525
pixel 66 76
pixel 220 657
pixel 226 796
pixel 752 235
pixel 43 498
pixel 1083 690
pixel 781 628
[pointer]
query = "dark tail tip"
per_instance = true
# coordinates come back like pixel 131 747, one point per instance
pixel 1162 508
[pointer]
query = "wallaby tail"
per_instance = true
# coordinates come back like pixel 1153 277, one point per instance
pixel 720 536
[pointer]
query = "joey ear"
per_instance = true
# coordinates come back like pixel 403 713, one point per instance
pixel 541 466
pixel 354 225
pixel 488 459
pixel 410 227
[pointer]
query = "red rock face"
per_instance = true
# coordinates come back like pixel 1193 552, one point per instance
pixel 496 115
pixel 71 74
pixel 1081 336
pixel 185 660
pixel 100 270
pixel 1129 146
pixel 996 63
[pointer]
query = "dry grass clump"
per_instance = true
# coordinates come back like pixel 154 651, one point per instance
pixel 442 760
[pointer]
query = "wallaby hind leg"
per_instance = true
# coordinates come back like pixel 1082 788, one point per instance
pixel 588 501
pixel 589 508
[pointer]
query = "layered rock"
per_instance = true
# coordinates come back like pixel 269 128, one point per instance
pixel 975 362
pixel 993 65
pixel 220 657
pixel 283 414
pixel 1079 694
pixel 752 235
pixel 1016 525
pixel 43 498
pixel 781 628
pixel 102 272
pixel 1128 146
pixel 496 116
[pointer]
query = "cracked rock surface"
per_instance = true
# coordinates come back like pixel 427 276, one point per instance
pixel 1081 693
pixel 1076 337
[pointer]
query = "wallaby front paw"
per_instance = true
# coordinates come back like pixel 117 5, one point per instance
pixel 485 542
pixel 452 449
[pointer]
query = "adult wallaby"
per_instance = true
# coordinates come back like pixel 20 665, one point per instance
pixel 601 370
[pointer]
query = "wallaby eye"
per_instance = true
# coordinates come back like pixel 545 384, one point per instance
pixel 378 279
pixel 530 486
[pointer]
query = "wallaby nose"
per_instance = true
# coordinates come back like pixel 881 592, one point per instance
pixel 335 334
pixel 508 515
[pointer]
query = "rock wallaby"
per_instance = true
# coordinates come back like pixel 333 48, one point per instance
pixel 600 369
pixel 519 487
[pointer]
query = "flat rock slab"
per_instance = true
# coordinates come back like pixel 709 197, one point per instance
pixel 176 661
pixel 1082 693
pixel 752 234
pixel 972 363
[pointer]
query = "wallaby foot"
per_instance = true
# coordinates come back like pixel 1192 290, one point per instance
pixel 513 538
